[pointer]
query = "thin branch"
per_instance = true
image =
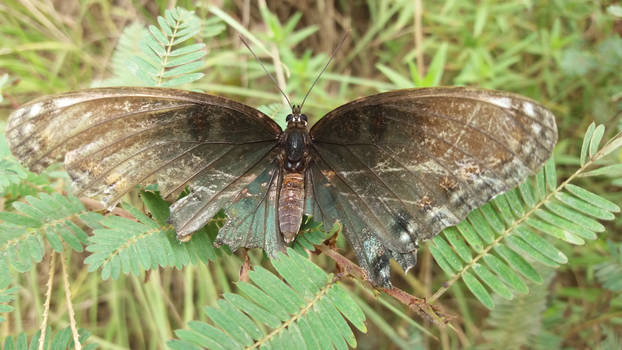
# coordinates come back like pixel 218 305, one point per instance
pixel 418 305
pixel 71 312
pixel 48 297
pixel 168 51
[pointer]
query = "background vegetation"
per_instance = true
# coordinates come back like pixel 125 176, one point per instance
pixel 550 236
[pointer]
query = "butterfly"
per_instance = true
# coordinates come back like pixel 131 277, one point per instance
pixel 393 168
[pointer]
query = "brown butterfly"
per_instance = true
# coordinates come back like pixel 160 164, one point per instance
pixel 394 168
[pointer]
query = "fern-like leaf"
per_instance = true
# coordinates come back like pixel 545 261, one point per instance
pixel 124 66
pixel 308 309
pixel 128 246
pixel 211 27
pixel 311 234
pixel 515 324
pixel 162 56
pixel 60 341
pixel 492 250
pixel 277 112
pixel 11 172
pixel 166 59
pixel 50 217
pixel 7 295
pixel 31 185
pixel 610 272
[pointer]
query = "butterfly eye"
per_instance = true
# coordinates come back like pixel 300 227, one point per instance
pixel 304 117
pixel 289 117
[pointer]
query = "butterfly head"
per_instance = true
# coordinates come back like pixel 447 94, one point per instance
pixel 296 119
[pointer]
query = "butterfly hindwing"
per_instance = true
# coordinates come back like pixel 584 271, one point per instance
pixel 331 200
pixel 252 218
pixel 218 185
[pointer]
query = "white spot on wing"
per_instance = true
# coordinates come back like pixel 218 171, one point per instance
pixel 528 109
pixel 405 237
pixel 64 102
pixel 35 109
pixel 28 128
pixel 503 102
pixel 536 128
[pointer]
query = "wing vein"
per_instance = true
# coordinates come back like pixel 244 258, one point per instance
pixel 144 149
pixel 458 122
pixel 196 173
pixel 375 217
pixel 253 213
pixel 435 160
pixel 469 98
pixel 404 205
pixel 154 128
pixel 196 213
pixel 98 124
pixel 505 110
pixel 315 196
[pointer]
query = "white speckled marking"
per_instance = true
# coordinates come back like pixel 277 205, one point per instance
pixel 503 102
pixel 528 109
pixel 405 237
pixel 536 128
pixel 28 128
pixel 64 102
pixel 35 110
pixel 411 226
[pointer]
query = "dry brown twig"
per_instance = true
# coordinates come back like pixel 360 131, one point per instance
pixel 418 305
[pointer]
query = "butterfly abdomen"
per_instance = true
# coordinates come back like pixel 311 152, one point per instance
pixel 291 203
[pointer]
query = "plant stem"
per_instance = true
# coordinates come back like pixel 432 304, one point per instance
pixel 420 306
pixel 48 297
pixel 71 312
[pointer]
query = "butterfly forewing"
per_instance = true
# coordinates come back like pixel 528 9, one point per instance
pixel 113 139
pixel 417 161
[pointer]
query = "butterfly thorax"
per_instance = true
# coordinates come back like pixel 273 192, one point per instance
pixel 294 160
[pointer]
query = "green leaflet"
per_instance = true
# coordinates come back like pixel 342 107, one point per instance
pixel 520 227
pixel 49 217
pixel 161 55
pixel 6 296
pixel 126 246
pixel 306 308
pixel 610 273
pixel 518 321
pixel 61 340
pixel 11 172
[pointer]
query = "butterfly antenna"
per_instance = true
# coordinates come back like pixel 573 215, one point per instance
pixel 332 55
pixel 265 70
